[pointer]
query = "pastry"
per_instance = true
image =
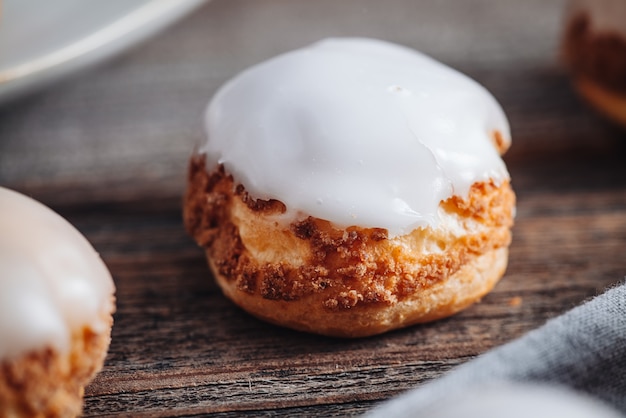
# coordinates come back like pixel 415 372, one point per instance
pixel 56 305
pixel 595 52
pixel 352 187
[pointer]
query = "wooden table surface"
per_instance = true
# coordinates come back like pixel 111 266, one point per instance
pixel 108 150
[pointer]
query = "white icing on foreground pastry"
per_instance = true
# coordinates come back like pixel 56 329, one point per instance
pixel 357 132
pixel 51 279
pixel 606 15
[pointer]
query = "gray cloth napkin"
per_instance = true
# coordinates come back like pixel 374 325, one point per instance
pixel 582 351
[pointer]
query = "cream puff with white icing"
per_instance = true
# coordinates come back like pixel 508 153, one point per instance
pixel 594 47
pixel 56 305
pixel 352 187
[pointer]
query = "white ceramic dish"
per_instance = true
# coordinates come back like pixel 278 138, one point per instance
pixel 41 40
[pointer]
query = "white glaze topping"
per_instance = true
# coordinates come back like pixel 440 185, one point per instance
pixel 606 15
pixel 356 131
pixel 52 281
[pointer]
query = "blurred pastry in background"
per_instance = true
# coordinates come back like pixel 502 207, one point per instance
pixel 594 47
pixel 56 305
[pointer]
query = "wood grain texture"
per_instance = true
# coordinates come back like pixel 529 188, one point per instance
pixel 108 150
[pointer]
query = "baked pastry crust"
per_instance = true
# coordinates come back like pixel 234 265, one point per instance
pixel 595 55
pixel 352 282
pixel 611 104
pixel 47 383
pixel 597 61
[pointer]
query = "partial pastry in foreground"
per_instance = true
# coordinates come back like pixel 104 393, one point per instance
pixel 56 305
pixel 352 187
pixel 594 46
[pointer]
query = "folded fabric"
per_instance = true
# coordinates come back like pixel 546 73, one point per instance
pixel 581 353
